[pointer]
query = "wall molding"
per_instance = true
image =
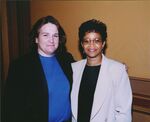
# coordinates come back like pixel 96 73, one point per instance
pixel 141 94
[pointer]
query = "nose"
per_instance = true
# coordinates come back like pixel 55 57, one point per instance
pixel 91 43
pixel 51 39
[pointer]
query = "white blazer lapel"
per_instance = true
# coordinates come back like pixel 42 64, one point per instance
pixel 101 88
pixel 78 68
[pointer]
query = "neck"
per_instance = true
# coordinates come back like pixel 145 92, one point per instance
pixel 94 61
pixel 45 55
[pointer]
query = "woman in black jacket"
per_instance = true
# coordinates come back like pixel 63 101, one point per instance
pixel 38 84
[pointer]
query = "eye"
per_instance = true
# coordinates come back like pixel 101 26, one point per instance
pixel 56 35
pixel 45 35
pixel 86 41
pixel 97 40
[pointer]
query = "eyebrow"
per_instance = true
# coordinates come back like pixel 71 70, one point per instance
pixel 90 39
pixel 44 33
pixel 47 33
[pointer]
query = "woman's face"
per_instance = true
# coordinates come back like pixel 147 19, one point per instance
pixel 92 45
pixel 47 40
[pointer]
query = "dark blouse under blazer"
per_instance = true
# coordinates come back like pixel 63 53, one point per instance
pixel 26 92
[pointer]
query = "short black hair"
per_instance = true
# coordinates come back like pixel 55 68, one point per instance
pixel 93 25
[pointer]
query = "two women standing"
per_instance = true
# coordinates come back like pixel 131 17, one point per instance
pixel 38 84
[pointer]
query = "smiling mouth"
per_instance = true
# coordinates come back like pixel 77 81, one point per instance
pixel 92 50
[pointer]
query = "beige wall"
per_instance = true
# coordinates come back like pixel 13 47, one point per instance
pixel 128 25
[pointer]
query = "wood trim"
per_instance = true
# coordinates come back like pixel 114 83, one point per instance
pixel 140 79
pixel 141 94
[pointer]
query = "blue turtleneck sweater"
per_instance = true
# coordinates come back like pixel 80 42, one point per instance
pixel 58 88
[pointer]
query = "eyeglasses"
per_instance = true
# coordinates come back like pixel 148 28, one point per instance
pixel 88 41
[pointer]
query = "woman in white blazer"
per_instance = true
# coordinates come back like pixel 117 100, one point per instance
pixel 101 90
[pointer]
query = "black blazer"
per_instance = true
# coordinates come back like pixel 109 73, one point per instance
pixel 26 92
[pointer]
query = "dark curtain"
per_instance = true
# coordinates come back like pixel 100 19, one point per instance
pixel 18 13
pixel 18 21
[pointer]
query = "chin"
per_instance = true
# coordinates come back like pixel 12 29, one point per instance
pixel 51 51
pixel 89 56
pixel 93 56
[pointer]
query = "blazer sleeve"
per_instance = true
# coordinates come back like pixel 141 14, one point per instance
pixel 123 98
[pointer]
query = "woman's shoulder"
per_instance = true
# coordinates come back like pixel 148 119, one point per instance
pixel 114 63
pixel 79 63
pixel 65 56
pixel 24 59
pixel 114 66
